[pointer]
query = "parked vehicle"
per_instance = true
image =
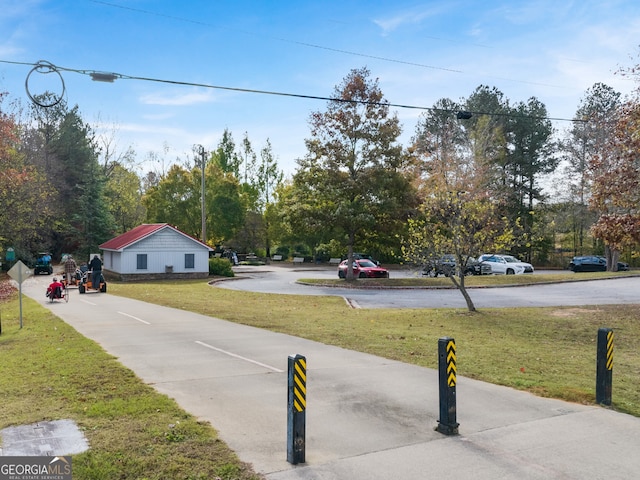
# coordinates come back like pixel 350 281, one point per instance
pixel 364 256
pixel 363 268
pixel 476 267
pixel 528 268
pixel 446 265
pixel 506 264
pixel 593 263
pixel 623 267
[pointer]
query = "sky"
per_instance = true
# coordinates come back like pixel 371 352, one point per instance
pixel 420 52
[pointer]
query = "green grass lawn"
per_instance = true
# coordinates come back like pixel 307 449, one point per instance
pixel 470 281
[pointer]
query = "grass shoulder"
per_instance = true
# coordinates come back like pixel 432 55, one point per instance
pixel 472 281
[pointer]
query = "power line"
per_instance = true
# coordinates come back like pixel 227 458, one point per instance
pixel 112 76
pixel 316 46
pixel 280 39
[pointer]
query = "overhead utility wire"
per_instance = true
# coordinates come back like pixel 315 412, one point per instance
pixel 320 47
pixel 112 76
pixel 280 39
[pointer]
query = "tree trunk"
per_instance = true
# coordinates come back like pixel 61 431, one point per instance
pixel 350 275
pixel 612 257
pixel 267 244
pixel 459 283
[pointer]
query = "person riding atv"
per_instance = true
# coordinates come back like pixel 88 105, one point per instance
pixel 87 282
pixel 43 264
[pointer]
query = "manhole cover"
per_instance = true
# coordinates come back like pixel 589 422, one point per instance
pixel 55 438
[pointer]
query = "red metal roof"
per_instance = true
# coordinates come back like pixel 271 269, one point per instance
pixel 140 232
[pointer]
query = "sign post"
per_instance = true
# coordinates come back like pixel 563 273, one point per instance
pixel 19 272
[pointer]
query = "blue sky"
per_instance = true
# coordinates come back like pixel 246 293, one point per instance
pixel 419 51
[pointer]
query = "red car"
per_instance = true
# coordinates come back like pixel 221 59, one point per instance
pixel 363 268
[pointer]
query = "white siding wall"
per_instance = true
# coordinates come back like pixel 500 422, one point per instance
pixel 112 261
pixel 164 248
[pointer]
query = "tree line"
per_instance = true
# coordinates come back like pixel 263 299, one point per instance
pixel 475 178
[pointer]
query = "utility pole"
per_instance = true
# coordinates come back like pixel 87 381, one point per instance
pixel 204 216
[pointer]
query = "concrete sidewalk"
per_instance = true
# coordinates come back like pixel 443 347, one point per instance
pixel 367 417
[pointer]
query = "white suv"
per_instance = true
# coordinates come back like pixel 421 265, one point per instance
pixel 506 264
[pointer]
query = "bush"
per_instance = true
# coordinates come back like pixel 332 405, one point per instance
pixel 283 250
pixel 220 267
pixel 301 250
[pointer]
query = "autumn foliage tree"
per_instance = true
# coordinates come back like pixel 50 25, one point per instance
pixel 24 206
pixel 352 183
pixel 458 214
pixel 460 223
pixel 587 139
pixel 616 186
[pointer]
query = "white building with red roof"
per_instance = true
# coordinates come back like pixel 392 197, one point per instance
pixel 155 250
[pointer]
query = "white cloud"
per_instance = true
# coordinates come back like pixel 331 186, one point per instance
pixel 194 97
pixel 10 8
pixel 149 128
pixel 158 116
pixel 407 17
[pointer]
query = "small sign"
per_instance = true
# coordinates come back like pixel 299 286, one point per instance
pixel 19 272
pixel 35 468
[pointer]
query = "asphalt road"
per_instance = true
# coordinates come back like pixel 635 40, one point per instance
pixel 282 278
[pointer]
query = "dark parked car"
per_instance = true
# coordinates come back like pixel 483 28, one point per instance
pixel 593 263
pixel 363 268
pixel 476 267
pixel 443 266
pixel 447 264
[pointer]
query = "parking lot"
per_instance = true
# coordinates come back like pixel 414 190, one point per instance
pixel 283 279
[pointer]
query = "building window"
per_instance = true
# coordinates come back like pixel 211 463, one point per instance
pixel 189 260
pixel 141 261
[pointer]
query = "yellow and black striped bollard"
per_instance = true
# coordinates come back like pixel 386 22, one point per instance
pixel 296 409
pixel 447 369
pixel 604 366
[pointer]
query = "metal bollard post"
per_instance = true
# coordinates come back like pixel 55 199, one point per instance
pixel 604 366
pixel 296 409
pixel 447 423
